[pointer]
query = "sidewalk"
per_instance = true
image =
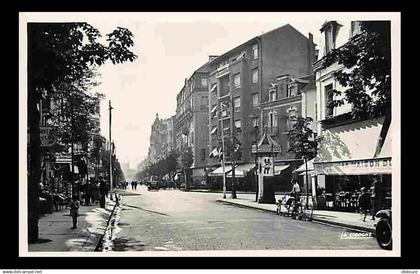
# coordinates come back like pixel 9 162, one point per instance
pixel 344 219
pixel 55 233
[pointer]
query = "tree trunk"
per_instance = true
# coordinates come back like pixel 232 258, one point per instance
pixel 34 166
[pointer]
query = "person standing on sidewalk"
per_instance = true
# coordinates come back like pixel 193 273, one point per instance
pixel 74 211
pixel 364 202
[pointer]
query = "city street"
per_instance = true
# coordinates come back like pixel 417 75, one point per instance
pixel 173 220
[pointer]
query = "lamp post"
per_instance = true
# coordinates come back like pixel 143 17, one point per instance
pixel 232 146
pixel 223 150
pixel 110 151
pixel 256 161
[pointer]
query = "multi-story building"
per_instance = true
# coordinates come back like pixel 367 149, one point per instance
pixel 288 98
pixel 351 150
pixel 241 79
pixel 191 120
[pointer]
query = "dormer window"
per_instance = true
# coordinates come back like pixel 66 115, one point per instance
pixel 330 30
pixel 272 95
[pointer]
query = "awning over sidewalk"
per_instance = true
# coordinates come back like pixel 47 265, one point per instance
pixel 350 150
pixel 219 171
pixel 302 168
pixel 279 168
pixel 198 172
pixel 241 170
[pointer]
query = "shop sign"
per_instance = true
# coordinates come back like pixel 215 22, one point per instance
pixel 355 167
pixel 266 149
pixel 266 166
pixel 63 159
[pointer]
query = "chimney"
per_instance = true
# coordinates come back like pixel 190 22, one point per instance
pixel 311 53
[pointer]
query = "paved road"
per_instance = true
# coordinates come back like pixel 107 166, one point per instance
pixel 175 220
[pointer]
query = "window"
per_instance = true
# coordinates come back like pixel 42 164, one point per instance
pixel 237 80
pixel 255 122
pixel 329 41
pixel 272 95
pixel 316 111
pixel 329 96
pixel 255 99
pixel 204 82
pixel 238 124
pixel 204 102
pixel 292 112
pixel 255 51
pixel 203 154
pixel 255 76
pixel 292 90
pixel 237 104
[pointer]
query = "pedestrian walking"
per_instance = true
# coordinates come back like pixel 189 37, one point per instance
pixel 135 185
pixel 295 193
pixel 132 185
pixel 377 195
pixel 364 202
pixel 74 211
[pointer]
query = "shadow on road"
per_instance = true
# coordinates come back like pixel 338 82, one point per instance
pixel 151 211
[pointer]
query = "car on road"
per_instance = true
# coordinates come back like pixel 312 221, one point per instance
pixel 384 229
pixel 163 184
pixel 153 185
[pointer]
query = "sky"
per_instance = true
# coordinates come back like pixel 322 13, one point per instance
pixel 170 46
pixel 169 49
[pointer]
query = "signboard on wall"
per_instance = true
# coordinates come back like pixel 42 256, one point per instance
pixel 266 166
pixel 355 167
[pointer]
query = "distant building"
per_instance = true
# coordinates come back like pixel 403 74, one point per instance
pixel 160 139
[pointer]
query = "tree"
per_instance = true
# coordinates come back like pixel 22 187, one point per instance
pixel 186 162
pixel 59 53
pixel 303 143
pixel 366 58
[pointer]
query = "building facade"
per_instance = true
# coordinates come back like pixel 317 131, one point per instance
pixel 190 122
pixel 353 152
pixel 161 143
pixel 241 79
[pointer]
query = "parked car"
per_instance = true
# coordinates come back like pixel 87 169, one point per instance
pixel 153 185
pixel 384 228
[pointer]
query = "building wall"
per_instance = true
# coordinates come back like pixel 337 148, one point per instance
pixel 281 51
pixel 284 51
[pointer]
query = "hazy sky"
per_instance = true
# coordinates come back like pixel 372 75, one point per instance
pixel 169 49
pixel 170 46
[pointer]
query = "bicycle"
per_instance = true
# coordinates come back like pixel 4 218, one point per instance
pixel 302 210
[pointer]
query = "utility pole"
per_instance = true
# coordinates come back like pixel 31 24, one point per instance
pixel 110 150
pixel 232 147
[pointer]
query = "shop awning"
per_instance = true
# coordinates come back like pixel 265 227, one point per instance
pixel 386 150
pixel 198 172
pixel 279 168
pixel 219 171
pixel 353 141
pixel 240 170
pixel 302 168
pixel 350 150
pixel 213 130
pixel 213 109
pixel 355 167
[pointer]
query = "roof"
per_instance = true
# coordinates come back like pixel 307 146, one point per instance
pixel 224 55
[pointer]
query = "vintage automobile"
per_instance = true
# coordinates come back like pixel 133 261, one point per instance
pixel 384 228
pixel 153 185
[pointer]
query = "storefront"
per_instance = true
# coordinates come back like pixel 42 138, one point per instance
pixel 350 157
